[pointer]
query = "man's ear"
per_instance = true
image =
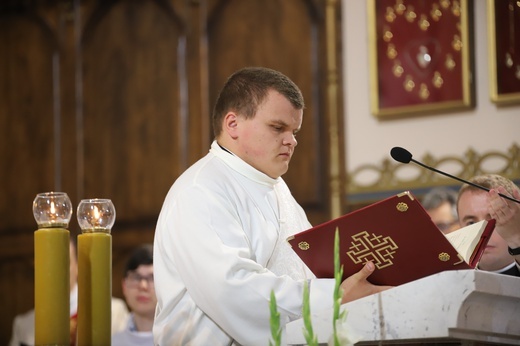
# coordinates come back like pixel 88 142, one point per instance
pixel 230 125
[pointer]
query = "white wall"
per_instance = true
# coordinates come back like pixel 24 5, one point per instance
pixel 369 140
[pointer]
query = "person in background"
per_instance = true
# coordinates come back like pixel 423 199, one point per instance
pixel 23 325
pixel 502 253
pixel 220 244
pixel 441 205
pixel 139 292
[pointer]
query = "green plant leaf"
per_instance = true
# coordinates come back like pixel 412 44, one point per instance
pixel 338 275
pixel 308 332
pixel 276 331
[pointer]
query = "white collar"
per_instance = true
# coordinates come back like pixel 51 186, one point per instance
pixel 507 267
pixel 240 166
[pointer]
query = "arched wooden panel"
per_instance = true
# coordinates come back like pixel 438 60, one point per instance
pixel 30 147
pixel 291 42
pixel 134 115
pixel 113 99
pixel 27 102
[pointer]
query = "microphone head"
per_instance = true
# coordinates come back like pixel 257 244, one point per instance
pixel 401 154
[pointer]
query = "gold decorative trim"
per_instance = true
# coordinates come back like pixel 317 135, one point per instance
pixel 304 245
pixel 371 247
pixel 461 260
pixel 406 193
pixel 407 76
pixel 444 257
pixel 498 97
pixel 389 175
pixel 402 207
pixel 332 112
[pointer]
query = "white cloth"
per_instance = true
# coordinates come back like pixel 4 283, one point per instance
pixel 23 324
pixel 131 337
pixel 215 256
pixel 284 261
pixel 512 269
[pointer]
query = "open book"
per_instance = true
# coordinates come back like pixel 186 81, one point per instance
pixel 398 236
pixel 470 241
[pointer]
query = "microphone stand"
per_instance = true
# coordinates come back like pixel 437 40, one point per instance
pixel 461 180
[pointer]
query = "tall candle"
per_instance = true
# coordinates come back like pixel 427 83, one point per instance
pixel 52 212
pixel 94 288
pixel 51 286
pixel 95 217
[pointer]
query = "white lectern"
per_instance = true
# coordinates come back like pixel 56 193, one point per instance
pixel 465 307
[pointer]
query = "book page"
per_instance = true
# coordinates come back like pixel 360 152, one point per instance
pixel 465 240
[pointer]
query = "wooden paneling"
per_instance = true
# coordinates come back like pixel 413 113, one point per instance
pixel 26 104
pixel 113 99
pixel 238 36
pixel 133 131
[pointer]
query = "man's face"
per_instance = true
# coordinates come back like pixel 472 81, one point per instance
pixel 473 207
pixel 443 218
pixel 267 141
pixel 139 291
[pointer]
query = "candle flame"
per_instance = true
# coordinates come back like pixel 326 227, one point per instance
pixel 52 215
pixel 97 214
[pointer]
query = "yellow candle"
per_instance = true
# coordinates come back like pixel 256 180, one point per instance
pixel 51 286
pixel 94 287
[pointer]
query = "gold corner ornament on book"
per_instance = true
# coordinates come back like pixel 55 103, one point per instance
pixel 398 236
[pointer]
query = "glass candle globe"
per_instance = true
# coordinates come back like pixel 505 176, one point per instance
pixel 52 210
pixel 96 215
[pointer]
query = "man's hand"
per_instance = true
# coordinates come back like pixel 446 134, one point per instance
pixel 356 286
pixel 507 215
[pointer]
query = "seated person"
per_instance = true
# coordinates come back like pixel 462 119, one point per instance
pixel 139 292
pixel 441 205
pixel 23 325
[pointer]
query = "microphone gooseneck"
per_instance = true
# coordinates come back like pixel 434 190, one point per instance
pixel 404 156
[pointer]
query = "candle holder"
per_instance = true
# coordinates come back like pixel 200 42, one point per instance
pixel 96 218
pixel 96 215
pixel 52 212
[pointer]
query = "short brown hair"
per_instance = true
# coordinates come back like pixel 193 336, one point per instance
pixel 247 88
pixel 142 255
pixel 490 181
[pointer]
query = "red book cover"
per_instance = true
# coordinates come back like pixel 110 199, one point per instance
pixel 396 234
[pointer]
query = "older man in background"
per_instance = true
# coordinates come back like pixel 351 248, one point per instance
pixel 502 253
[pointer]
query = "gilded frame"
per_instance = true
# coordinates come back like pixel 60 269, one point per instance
pixel 504 71
pixel 420 57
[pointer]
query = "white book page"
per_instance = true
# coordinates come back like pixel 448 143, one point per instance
pixel 465 240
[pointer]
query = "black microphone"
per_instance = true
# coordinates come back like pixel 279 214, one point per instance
pixel 404 156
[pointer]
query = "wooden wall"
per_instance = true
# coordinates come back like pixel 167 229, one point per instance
pixel 111 99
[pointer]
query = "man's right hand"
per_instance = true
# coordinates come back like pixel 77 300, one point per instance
pixel 356 286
